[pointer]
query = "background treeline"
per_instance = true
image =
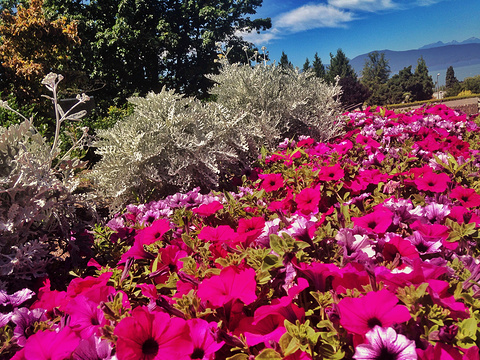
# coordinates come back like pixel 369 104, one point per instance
pixel 374 86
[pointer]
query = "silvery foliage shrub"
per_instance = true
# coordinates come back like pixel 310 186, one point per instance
pixel 283 102
pixel 171 143
pixel 36 185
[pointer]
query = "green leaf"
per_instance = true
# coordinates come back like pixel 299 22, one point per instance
pixel 288 344
pixel 268 354
pixel 238 357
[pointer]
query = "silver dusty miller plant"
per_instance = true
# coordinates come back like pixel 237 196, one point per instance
pixel 170 143
pixel 36 185
pixel 282 102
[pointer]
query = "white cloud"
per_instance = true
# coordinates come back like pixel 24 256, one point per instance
pixel 312 17
pixel 333 14
pixel 364 5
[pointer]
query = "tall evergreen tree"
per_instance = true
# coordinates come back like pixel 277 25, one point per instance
pixel 318 67
pixel 376 70
pixel 425 81
pixel 306 65
pixel 284 62
pixel 450 79
pixel 339 66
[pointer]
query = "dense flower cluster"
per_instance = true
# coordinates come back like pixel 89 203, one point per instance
pixel 366 247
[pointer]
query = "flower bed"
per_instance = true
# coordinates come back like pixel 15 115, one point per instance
pixel 366 247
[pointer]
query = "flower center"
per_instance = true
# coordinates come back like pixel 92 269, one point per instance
pixel 150 347
pixel 385 354
pixel 373 321
pixel 197 354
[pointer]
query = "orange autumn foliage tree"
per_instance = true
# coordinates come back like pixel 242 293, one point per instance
pixel 31 46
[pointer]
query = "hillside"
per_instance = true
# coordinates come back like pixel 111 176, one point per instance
pixel 437 58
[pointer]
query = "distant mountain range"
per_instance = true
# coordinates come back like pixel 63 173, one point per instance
pixel 438 56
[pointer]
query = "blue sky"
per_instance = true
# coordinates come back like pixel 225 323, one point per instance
pixel 300 28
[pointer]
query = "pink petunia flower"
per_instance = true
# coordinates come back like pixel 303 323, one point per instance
pixel 51 345
pixel 307 200
pixel 93 348
pixel 433 182
pixel 467 197
pixel 153 336
pixel 153 232
pixel 204 344
pixel 397 245
pixel 272 182
pixel 360 315
pixel 447 352
pixel 49 299
pixel 208 209
pixel 221 234
pixel 377 221
pixel 251 228
pixel 231 284
pixel 85 316
pixel 385 343
pixel 328 173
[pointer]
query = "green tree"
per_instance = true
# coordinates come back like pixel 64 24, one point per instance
pixel 376 70
pixel 353 92
pixel 450 79
pixel 306 65
pixel 339 66
pixel 31 46
pixel 134 46
pixel 425 90
pixel 318 67
pixel 284 62
pixel 472 84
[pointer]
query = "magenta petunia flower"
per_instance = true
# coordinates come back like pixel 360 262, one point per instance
pixel 467 197
pixel 385 343
pixel 49 299
pixel 153 232
pixel 271 182
pixel 204 344
pixel 268 323
pixel 360 315
pixel 231 284
pixel 377 221
pixel 307 200
pixel 85 316
pixel 221 234
pixel 328 173
pixel 208 209
pixel 153 336
pixel 93 348
pixel 251 228
pixel 397 245
pixel 51 345
pixel 433 182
